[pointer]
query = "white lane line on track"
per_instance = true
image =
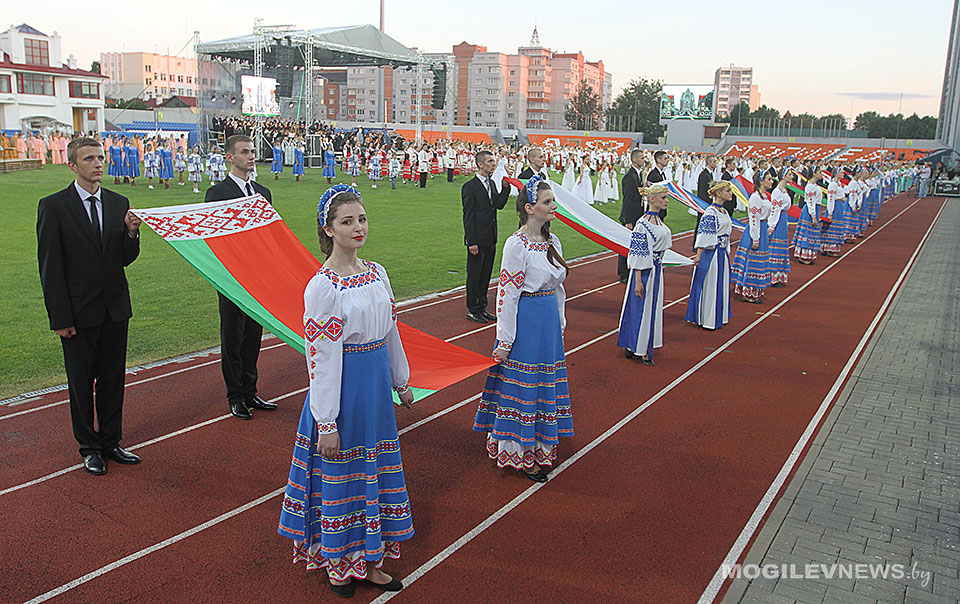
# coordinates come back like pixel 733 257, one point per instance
pixel 503 511
pixel 138 446
pixel 719 578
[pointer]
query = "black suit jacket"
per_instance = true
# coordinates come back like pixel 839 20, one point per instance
pixel 731 205
pixel 632 208
pixel 654 176
pixel 83 282
pixel 528 172
pixel 228 189
pixel 480 212
pixel 703 185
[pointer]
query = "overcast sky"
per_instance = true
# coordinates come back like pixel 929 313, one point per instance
pixel 840 57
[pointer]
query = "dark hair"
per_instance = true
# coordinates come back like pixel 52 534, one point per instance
pixel 80 141
pixel 729 161
pixel 635 153
pixel 482 156
pixel 757 179
pixel 231 143
pixel 658 155
pixel 326 242
pixel 553 256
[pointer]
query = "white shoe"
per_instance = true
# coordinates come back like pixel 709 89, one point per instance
pixel 374 186
pixel 149 186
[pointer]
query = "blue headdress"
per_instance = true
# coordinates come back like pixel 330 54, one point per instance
pixel 531 189
pixel 328 196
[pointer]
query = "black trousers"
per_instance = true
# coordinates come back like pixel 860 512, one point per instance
pixel 239 349
pixel 96 358
pixel 423 180
pixel 622 271
pixel 695 229
pixel 479 269
pixel 449 174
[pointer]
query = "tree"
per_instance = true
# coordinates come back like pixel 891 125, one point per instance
pixel 637 109
pixel 584 112
pixel 867 120
pixel 95 67
pixel 763 112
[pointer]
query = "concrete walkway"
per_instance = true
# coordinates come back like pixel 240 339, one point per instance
pixel 880 486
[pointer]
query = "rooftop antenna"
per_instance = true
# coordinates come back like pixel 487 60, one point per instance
pixel 535 38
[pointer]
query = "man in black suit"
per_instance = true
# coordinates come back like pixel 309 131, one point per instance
pixel 658 174
pixel 86 235
pixel 728 172
pixel 703 189
pixel 536 160
pixel 632 208
pixel 239 334
pixel 480 204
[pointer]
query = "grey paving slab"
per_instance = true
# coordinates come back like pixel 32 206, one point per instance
pixel 879 491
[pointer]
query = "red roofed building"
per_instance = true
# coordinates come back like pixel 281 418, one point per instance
pixel 39 91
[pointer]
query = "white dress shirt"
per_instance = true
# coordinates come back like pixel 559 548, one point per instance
pixel 85 197
pixel 243 184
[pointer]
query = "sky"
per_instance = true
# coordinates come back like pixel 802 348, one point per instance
pixel 833 57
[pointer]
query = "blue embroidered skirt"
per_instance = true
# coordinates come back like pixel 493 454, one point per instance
pixel 751 270
pixel 350 511
pixel 277 165
pixel 806 238
pixel 329 168
pixel 525 404
pixel 835 235
pixel 779 260
pixel 709 302
pixel 641 319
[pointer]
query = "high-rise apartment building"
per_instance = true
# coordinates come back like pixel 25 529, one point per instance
pixel 733 85
pixel 948 125
pixel 148 75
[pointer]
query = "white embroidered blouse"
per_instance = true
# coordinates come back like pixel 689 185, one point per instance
pixel 759 209
pixel 358 309
pixel 715 228
pixel 525 269
pixel 780 200
pixel 648 242
pixel 812 196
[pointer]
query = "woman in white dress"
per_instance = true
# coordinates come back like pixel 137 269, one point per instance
pixel 641 316
pixel 346 506
pixel 584 188
pixel 709 302
pixel 525 404
pixel 602 192
pixel 569 178
pixel 614 185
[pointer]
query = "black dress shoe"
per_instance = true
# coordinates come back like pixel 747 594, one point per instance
pixel 239 410
pixel 538 476
pixel 258 403
pixel 118 455
pixel 623 280
pixel 488 316
pixel 628 353
pixel 647 361
pixel 344 591
pixel 476 317
pixel 95 464
pixel 393 585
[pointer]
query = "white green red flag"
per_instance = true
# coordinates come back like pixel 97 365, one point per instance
pixel 246 251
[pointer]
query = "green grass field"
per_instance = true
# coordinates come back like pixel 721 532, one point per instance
pixel 417 234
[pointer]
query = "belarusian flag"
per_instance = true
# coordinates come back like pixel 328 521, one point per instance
pixel 246 251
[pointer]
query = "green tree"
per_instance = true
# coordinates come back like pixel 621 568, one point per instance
pixel 868 120
pixel 95 67
pixel 584 112
pixel 637 109
pixel 763 112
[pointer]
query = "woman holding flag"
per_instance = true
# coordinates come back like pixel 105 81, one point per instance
pixel 709 302
pixel 779 261
pixel 641 316
pixel 525 403
pixel 806 239
pixel 346 506
pixel 751 271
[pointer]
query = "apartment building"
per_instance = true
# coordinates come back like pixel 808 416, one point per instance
pixel 148 75
pixel 734 85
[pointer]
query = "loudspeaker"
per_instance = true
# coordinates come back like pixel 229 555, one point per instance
pixel 285 58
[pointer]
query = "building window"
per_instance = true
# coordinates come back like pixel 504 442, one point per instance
pixel 180 79
pixel 148 82
pixel 84 90
pixel 37 52
pixel 147 68
pixel 4 83
pixel 35 83
pixel 189 80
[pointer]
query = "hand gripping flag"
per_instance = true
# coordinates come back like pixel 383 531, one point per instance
pixel 595 225
pixel 246 251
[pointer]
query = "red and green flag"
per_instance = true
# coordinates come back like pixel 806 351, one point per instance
pixel 246 251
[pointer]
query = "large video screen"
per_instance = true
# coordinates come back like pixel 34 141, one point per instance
pixel 259 96
pixel 693 102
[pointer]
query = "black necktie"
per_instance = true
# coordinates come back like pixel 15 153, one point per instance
pixel 249 189
pixel 486 184
pixel 95 218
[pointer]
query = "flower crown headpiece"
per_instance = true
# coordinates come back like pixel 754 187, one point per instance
pixel 328 196
pixel 531 189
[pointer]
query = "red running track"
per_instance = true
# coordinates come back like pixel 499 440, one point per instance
pixel 643 513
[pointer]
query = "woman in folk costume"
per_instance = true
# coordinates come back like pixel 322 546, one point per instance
pixel 393 169
pixel 219 169
pixel 779 261
pixel 584 188
pixel 329 163
pixel 353 167
pixel 873 181
pixel 750 271
pixel 569 177
pixel 614 185
pixel 833 237
pixel 298 158
pixel 641 316
pixel 276 166
pixel 151 164
pixel 115 169
pixel 195 168
pixel 373 168
pixel 166 163
pixel 346 506
pixel 602 192
pixel 709 302
pixel 855 202
pixel 525 404
pixel 806 238
pixel 407 172
pixel 851 225
pixel 384 163
pixel 180 162
pixel 131 156
pixel 21 147
pixel 434 162
pixel 347 150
